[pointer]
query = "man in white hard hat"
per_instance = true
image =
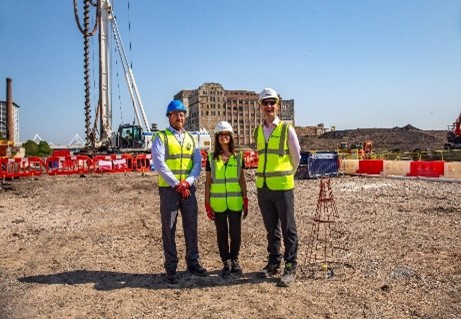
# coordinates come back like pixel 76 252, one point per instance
pixel 279 155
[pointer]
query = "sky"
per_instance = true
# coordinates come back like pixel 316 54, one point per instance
pixel 349 64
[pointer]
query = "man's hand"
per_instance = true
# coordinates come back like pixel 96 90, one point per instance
pixel 245 207
pixel 183 189
pixel 181 186
pixel 209 211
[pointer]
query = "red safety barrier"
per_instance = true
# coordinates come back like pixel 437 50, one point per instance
pixel 122 163
pixel 427 168
pixel 15 167
pixel 142 162
pixel 84 164
pixel 68 165
pixel 20 167
pixel 116 163
pixel 250 159
pixel 372 166
pixel 36 165
pixel 61 153
pixel 204 157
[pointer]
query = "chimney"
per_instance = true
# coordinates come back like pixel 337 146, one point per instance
pixel 9 110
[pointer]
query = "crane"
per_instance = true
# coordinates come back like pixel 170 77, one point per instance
pixel 129 136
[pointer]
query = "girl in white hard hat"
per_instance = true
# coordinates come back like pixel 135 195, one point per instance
pixel 226 196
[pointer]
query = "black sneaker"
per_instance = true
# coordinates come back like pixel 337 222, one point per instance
pixel 172 278
pixel 236 268
pixel 288 275
pixel 226 270
pixel 197 270
pixel 269 270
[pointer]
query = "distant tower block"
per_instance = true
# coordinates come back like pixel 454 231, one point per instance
pixel 327 244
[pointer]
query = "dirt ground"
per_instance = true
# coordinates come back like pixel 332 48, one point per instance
pixel 90 247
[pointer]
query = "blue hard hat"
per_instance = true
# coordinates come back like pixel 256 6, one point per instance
pixel 175 105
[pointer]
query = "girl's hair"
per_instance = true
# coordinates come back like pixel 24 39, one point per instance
pixel 218 149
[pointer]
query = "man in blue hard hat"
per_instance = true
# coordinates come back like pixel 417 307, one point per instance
pixel 178 162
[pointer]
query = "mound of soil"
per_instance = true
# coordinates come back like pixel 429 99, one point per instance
pixel 404 139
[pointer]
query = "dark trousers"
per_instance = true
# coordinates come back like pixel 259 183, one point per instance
pixel 171 204
pixel 228 224
pixel 277 209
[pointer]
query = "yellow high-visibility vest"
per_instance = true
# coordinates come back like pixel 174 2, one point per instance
pixel 225 192
pixel 178 158
pixel 274 164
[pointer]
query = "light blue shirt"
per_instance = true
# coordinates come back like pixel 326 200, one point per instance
pixel 158 159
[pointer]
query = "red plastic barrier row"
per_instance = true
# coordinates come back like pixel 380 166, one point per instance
pixel 417 168
pixel 75 164
pixel 250 159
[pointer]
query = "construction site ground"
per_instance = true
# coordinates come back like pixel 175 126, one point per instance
pixel 90 247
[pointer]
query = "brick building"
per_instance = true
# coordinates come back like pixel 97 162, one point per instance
pixel 211 103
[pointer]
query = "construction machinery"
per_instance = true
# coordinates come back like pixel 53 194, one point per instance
pixel 360 150
pixel 129 138
pixel 454 134
pixel 367 149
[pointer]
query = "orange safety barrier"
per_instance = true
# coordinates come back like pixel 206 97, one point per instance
pixel 61 153
pixel 204 157
pixel 20 167
pixel 67 165
pixel 250 159
pixel 84 164
pixel 427 168
pixel 370 166
pixel 142 162
pixel 122 163
pixel 36 165
pixel 115 163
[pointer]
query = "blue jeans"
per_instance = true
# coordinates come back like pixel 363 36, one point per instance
pixel 277 209
pixel 171 204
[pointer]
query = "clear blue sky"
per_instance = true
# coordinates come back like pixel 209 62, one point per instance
pixel 376 63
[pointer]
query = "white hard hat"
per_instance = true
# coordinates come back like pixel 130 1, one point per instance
pixel 268 93
pixel 223 126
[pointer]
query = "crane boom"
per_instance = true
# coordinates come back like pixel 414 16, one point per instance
pixel 129 77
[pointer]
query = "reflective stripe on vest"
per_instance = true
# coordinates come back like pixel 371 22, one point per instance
pixel 178 157
pixel 274 164
pixel 225 191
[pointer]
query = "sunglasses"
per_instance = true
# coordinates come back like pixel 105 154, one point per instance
pixel 268 103
pixel 224 134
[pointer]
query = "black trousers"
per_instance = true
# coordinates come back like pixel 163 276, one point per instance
pixel 171 204
pixel 229 224
pixel 277 209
